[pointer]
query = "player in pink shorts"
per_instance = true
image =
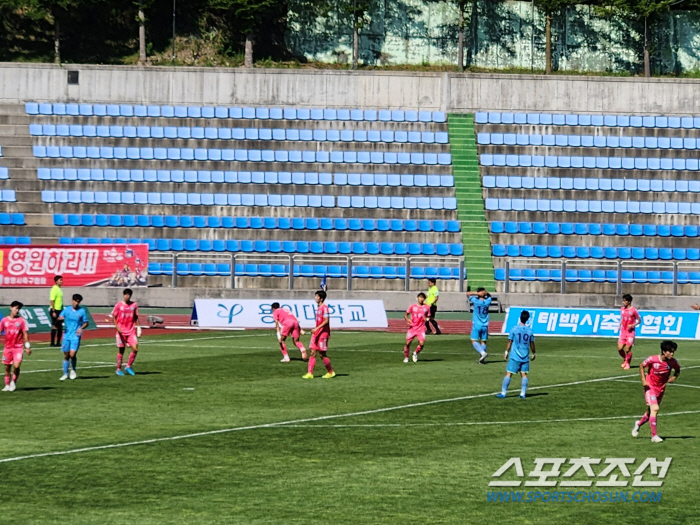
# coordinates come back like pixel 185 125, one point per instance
pixel 629 320
pixel 656 373
pixel 319 338
pixel 420 314
pixel 16 343
pixel 126 320
pixel 287 324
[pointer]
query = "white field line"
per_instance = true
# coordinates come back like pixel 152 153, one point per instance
pixel 290 422
pixel 668 384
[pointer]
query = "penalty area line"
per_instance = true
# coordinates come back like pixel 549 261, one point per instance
pixel 286 423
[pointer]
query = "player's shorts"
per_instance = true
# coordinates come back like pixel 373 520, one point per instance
pixel 626 338
pixel 319 341
pixel 480 332
pixel 292 329
pixel 652 396
pixel 517 366
pixel 418 333
pixel 70 343
pixel 127 340
pixel 13 354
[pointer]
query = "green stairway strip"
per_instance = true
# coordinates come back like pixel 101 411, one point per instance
pixel 470 202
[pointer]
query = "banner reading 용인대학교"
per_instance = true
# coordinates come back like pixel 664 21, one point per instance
pixel 30 266
pixel 254 313
pixel 591 322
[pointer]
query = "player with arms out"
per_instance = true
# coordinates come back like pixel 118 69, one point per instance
pixel 629 320
pixel 126 320
pixel 521 342
pixel 75 320
pixel 481 301
pixel 656 373
pixel 16 343
pixel 420 314
pixel 287 324
pixel 319 338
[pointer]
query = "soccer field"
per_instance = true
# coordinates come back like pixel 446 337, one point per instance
pixel 214 429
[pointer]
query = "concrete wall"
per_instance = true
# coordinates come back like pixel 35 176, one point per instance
pixel 365 89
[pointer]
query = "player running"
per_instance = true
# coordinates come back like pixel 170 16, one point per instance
pixel 319 338
pixel 420 314
pixel 286 323
pixel 126 320
pixel 75 320
pixel 521 341
pixel 481 300
pixel 629 320
pixel 16 342
pixel 656 372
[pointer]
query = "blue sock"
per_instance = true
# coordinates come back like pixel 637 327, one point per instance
pixel 477 346
pixel 74 362
pixel 523 386
pixel 483 347
pixel 65 367
pixel 504 387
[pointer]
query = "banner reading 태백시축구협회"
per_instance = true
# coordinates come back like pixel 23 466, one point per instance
pixel 80 265
pixel 590 322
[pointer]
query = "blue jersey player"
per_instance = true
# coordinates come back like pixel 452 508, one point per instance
pixel 75 321
pixel 481 301
pixel 520 342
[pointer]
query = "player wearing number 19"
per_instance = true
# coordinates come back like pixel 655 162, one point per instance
pixel 75 320
pixel 481 300
pixel 520 342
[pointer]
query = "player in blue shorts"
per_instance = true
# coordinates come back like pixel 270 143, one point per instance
pixel 481 301
pixel 75 321
pixel 520 342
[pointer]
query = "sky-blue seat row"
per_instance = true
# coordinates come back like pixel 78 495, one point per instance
pixel 245 199
pixel 593 184
pixel 596 252
pixel 559 119
pixel 616 163
pixel 261 246
pixel 245 177
pixel 211 133
pixel 316 271
pixel 596 276
pixel 593 206
pixel 240 155
pixel 588 141
pixel 220 112
pixel 16 219
pixel 608 229
pixel 270 223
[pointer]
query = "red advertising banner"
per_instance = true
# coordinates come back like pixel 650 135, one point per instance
pixel 118 265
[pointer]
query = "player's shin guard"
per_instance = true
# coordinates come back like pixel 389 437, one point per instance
pixel 644 419
pixel 327 364
pixel 283 348
pixel 65 366
pixel 418 349
pixel 74 362
pixel 301 347
pixel 477 346
pixel 132 358
pixel 312 364
pixel 628 358
pixel 622 353
pixel 7 380
pixel 652 424
pixel 119 361
pixel 523 386
pixel 15 375
pixel 406 350
pixel 504 386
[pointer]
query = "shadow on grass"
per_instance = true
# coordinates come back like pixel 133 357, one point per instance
pixel 31 388
pixel 678 437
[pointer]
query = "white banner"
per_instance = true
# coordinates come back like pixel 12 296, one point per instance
pixel 253 313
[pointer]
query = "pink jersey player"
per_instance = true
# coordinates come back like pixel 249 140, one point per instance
pixel 125 316
pixel 287 324
pixel 629 320
pixel 16 333
pixel 419 313
pixel 656 372
pixel 319 337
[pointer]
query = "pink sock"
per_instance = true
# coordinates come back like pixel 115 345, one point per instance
pixel 132 357
pixel 283 349
pixel 628 359
pixel 419 348
pixel 300 346
pixel 406 350
pixel 14 377
pixel 327 364
pixel 119 361
pixel 7 380
pixel 312 364
pixel 644 419
pixel 652 424
pixel 622 353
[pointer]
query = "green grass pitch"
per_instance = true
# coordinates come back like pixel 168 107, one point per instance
pixel 406 443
